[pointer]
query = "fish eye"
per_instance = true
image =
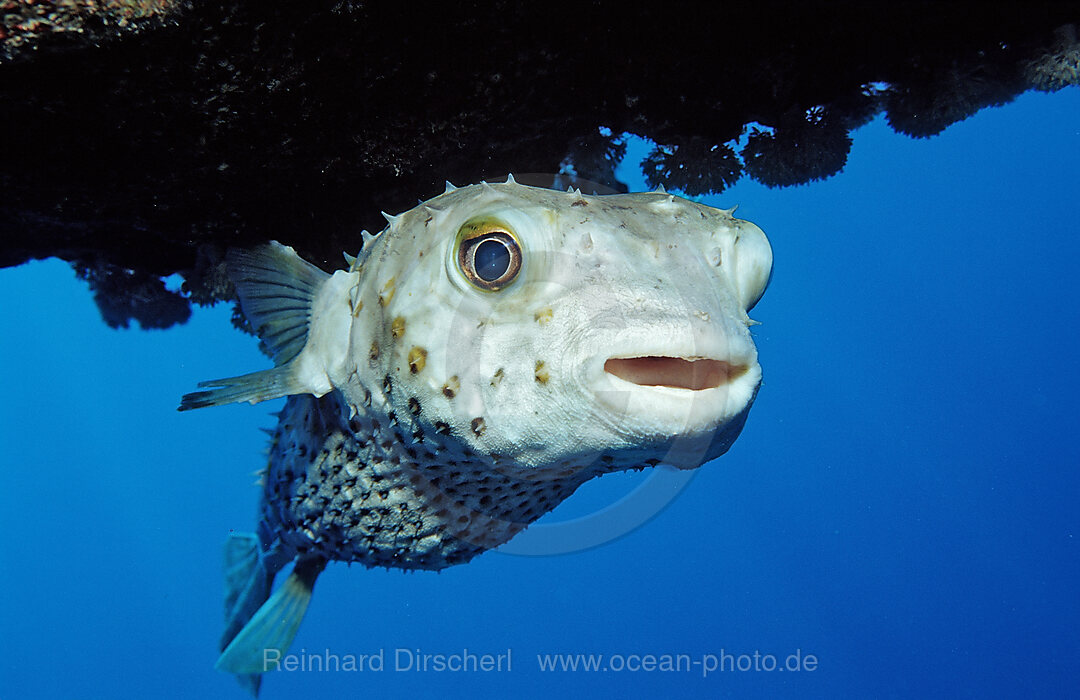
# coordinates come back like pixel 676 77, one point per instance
pixel 488 255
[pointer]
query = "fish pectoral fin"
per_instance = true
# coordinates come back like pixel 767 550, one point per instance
pixel 263 641
pixel 253 388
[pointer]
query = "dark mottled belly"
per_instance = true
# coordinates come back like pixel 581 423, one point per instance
pixel 365 490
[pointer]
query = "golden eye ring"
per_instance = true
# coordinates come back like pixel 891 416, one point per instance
pixel 490 257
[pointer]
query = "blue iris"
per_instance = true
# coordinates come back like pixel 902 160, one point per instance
pixel 491 260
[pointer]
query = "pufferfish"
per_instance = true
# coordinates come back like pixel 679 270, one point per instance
pixel 487 353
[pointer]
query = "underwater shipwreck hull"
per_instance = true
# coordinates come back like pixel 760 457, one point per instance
pixel 144 137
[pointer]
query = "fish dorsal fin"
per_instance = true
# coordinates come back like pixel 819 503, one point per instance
pixel 277 290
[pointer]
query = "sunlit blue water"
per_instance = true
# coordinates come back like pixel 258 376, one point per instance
pixel 902 504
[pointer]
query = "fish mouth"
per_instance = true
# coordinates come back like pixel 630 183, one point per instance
pixel 691 406
pixel 692 374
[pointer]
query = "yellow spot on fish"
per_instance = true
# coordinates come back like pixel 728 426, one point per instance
pixel 497 379
pixel 478 426
pixel 357 307
pixel 387 292
pixel 452 387
pixel 397 328
pixel 373 354
pixel 543 315
pixel 541 373
pixel 417 359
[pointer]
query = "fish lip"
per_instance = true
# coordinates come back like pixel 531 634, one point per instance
pixel 690 374
pixel 699 363
pixel 724 387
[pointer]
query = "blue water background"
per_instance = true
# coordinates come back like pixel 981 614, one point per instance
pixel 902 504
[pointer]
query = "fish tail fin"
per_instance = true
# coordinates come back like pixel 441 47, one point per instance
pixel 247 586
pixel 260 627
